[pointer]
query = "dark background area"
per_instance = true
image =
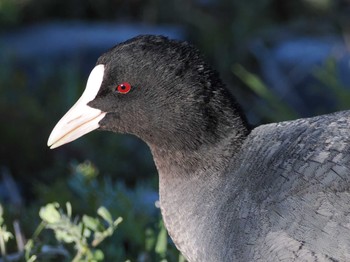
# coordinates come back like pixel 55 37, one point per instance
pixel 281 59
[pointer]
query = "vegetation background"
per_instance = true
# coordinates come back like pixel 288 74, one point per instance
pixel 246 41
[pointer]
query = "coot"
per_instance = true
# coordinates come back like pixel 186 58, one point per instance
pixel 278 192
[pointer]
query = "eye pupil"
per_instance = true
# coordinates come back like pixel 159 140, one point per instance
pixel 124 88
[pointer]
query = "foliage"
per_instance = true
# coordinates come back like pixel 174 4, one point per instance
pixel 142 236
pixel 5 235
pixel 328 75
pixel 9 12
pixel 273 108
pixel 86 234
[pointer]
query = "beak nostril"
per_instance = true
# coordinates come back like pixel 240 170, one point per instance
pixel 74 119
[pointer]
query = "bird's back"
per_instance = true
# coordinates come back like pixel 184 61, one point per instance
pixel 294 185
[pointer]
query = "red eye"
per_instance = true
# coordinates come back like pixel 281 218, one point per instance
pixel 124 88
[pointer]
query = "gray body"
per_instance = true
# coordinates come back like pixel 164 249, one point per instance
pixel 282 196
pixel 279 192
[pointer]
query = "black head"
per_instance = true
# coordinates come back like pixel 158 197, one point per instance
pixel 162 91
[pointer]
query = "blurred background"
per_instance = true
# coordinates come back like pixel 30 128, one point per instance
pixel 281 59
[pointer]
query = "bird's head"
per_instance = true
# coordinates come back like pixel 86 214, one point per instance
pixel 158 89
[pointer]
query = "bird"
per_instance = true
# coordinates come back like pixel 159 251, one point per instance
pixel 228 191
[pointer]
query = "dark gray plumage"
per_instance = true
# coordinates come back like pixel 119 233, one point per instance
pixel 279 192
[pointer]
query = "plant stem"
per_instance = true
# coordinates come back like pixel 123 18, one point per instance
pixel 38 230
pixel 3 248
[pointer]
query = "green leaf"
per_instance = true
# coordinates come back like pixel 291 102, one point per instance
pixel 64 236
pixel 86 232
pixel 117 222
pixel 182 258
pixel 162 241
pixel 50 214
pixel 32 258
pixel 88 170
pixel 104 213
pixel 1 213
pixel 98 255
pixel 150 239
pixel 69 209
pixel 91 222
pixel 4 234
